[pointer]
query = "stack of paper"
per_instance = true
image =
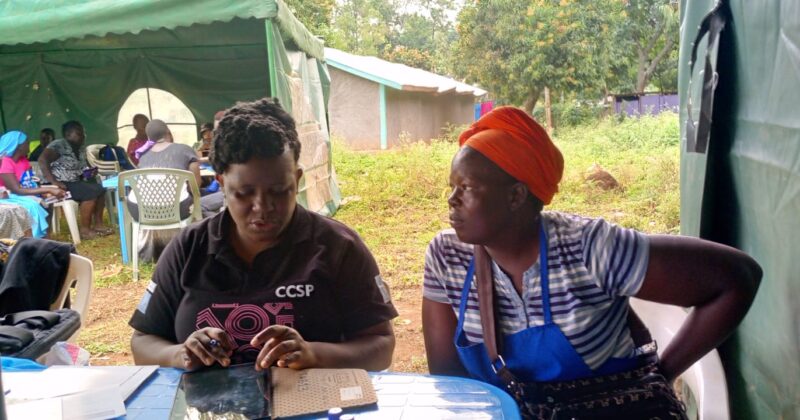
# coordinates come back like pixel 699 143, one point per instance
pixel 68 392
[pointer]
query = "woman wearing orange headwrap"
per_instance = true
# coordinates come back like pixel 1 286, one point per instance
pixel 559 284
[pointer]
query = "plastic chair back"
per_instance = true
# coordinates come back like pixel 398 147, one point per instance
pixel 158 194
pixel 104 167
pixel 80 274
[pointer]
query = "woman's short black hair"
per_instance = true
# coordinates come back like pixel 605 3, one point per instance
pixel 69 126
pixel 259 129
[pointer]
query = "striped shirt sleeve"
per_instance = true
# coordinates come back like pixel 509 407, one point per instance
pixel 616 257
pixel 435 272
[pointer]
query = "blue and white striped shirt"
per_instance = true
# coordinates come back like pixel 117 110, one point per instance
pixel 593 267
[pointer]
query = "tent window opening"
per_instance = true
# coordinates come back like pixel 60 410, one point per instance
pixel 157 104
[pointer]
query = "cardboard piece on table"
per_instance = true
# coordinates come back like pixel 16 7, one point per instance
pixel 297 392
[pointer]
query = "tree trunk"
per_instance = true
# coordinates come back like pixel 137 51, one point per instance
pixel 641 77
pixel 530 101
pixel 547 111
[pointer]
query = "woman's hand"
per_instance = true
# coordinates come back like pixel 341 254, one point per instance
pixel 57 192
pixel 204 348
pixel 285 346
pixel 60 185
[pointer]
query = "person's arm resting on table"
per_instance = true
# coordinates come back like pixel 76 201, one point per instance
pixel 370 349
pixel 156 313
pixel 438 318
pixel 440 326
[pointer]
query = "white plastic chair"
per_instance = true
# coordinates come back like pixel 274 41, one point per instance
pixel 70 209
pixel 705 378
pixel 105 168
pixel 80 275
pixel 157 193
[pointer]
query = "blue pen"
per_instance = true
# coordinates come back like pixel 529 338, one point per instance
pixel 213 343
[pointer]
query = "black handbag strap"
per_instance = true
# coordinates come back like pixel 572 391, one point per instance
pixel 33 319
pixel 12 339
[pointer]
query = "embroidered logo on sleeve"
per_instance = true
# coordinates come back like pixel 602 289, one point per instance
pixel 384 289
pixel 142 307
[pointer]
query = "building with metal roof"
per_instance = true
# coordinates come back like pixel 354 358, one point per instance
pixel 379 103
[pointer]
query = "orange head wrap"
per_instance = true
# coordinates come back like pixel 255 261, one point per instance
pixel 520 146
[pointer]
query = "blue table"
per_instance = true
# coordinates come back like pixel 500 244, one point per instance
pixel 400 396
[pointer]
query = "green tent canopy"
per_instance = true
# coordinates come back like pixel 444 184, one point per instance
pixel 81 60
pixel 742 188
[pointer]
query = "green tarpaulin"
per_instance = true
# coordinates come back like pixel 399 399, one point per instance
pixel 744 190
pixel 81 59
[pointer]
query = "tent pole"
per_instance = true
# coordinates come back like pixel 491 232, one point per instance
pixel 382 110
pixel 273 75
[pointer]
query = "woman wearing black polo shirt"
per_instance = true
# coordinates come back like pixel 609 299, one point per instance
pixel 265 280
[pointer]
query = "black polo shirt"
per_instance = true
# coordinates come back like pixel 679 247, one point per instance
pixel 320 280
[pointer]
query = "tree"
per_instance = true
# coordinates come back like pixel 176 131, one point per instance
pixel 421 31
pixel 358 27
pixel 651 28
pixel 517 47
pixel 411 57
pixel 314 14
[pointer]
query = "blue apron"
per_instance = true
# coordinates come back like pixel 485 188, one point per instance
pixel 535 354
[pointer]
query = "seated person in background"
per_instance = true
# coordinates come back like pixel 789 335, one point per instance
pixel 63 164
pixel 45 137
pixel 203 147
pixel 265 280
pixel 162 152
pixel 14 220
pixel 16 176
pixel 139 123
pixel 568 318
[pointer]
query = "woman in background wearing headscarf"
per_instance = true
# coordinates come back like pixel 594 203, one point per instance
pixel 17 177
pixel 560 283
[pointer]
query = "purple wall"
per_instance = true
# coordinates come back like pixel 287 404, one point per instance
pixel 646 104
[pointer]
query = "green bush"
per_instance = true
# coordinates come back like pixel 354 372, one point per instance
pixel 570 114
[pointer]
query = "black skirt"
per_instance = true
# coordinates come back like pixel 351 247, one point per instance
pixel 85 191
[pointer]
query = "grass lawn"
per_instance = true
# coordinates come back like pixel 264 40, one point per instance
pixel 396 200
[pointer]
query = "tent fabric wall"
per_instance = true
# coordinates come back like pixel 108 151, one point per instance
pixel 39 21
pixel 209 67
pixel 745 191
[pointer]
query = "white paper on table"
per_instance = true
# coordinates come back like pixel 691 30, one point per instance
pixel 129 378
pixel 58 381
pixel 96 404
pixel 37 409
